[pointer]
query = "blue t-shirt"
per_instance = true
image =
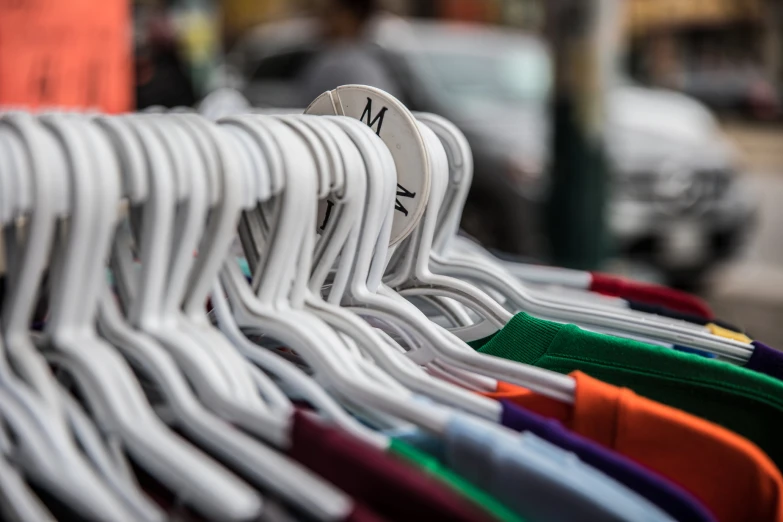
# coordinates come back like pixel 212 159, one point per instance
pixel 536 479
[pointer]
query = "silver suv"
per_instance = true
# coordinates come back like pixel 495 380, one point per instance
pixel 676 203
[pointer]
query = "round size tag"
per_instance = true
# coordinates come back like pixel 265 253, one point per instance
pixel 397 127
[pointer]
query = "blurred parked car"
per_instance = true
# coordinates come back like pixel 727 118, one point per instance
pixel 676 200
pixel 742 91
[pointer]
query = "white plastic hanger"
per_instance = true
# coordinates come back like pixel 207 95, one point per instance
pixel 42 141
pixel 607 318
pixel 135 189
pixel 32 454
pixel 177 455
pixel 189 233
pixel 284 477
pixel 353 195
pixel 220 232
pixel 148 311
pixel 379 261
pixel 272 470
pixel 266 162
pixel 483 271
pixel 36 197
pixel 189 225
pixel 334 230
pixel 413 275
pixel 7 183
pixel 231 445
pixel 45 448
pixel 454 313
pixel 381 250
pixel 499 276
pixel 445 259
pixel 335 105
pixel 369 339
pixel 380 255
pixel 276 365
pixel 398 311
pixel 317 149
pixel 268 389
pixel 320 156
pixel 17 500
pixel 275 279
pixel 460 161
pixel 83 428
pixel 458 256
pixel 113 466
pixel 326 208
pixel 180 270
pixel 271 313
pixel 108 385
pixel 299 381
pixel 254 233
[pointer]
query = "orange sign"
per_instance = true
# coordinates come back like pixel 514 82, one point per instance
pixel 66 53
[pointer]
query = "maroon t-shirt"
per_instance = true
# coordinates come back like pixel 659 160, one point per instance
pixel 389 487
pixel 363 514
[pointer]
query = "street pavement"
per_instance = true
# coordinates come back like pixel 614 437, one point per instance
pixel 748 290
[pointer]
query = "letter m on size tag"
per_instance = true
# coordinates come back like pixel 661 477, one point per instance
pixel 367 118
pixel 402 192
pixel 378 117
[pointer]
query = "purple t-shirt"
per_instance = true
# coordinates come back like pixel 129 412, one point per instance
pixel 766 360
pixel 672 499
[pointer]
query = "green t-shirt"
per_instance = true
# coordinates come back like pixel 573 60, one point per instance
pixel 432 467
pixel 746 402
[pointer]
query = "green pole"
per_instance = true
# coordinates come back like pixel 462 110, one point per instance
pixel 583 37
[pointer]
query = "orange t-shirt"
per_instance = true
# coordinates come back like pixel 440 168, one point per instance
pixel 727 473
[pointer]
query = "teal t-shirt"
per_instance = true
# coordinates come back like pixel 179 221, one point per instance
pixel 746 402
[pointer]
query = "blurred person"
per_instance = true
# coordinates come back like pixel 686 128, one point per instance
pixel 162 78
pixel 347 56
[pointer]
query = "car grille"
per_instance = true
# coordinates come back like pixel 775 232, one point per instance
pixel 714 182
pixel 639 186
pixel 696 191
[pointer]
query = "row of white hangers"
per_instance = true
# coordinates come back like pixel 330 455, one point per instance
pixel 316 203
pixel 460 258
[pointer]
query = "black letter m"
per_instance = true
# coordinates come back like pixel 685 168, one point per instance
pixel 379 118
pixel 404 193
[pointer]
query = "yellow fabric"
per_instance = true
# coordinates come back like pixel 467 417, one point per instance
pixel 728 334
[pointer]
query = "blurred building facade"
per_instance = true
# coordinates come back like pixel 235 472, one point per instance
pixel 665 36
pixel 672 36
pixel 240 15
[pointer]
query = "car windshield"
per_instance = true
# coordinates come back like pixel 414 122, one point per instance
pixel 518 76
